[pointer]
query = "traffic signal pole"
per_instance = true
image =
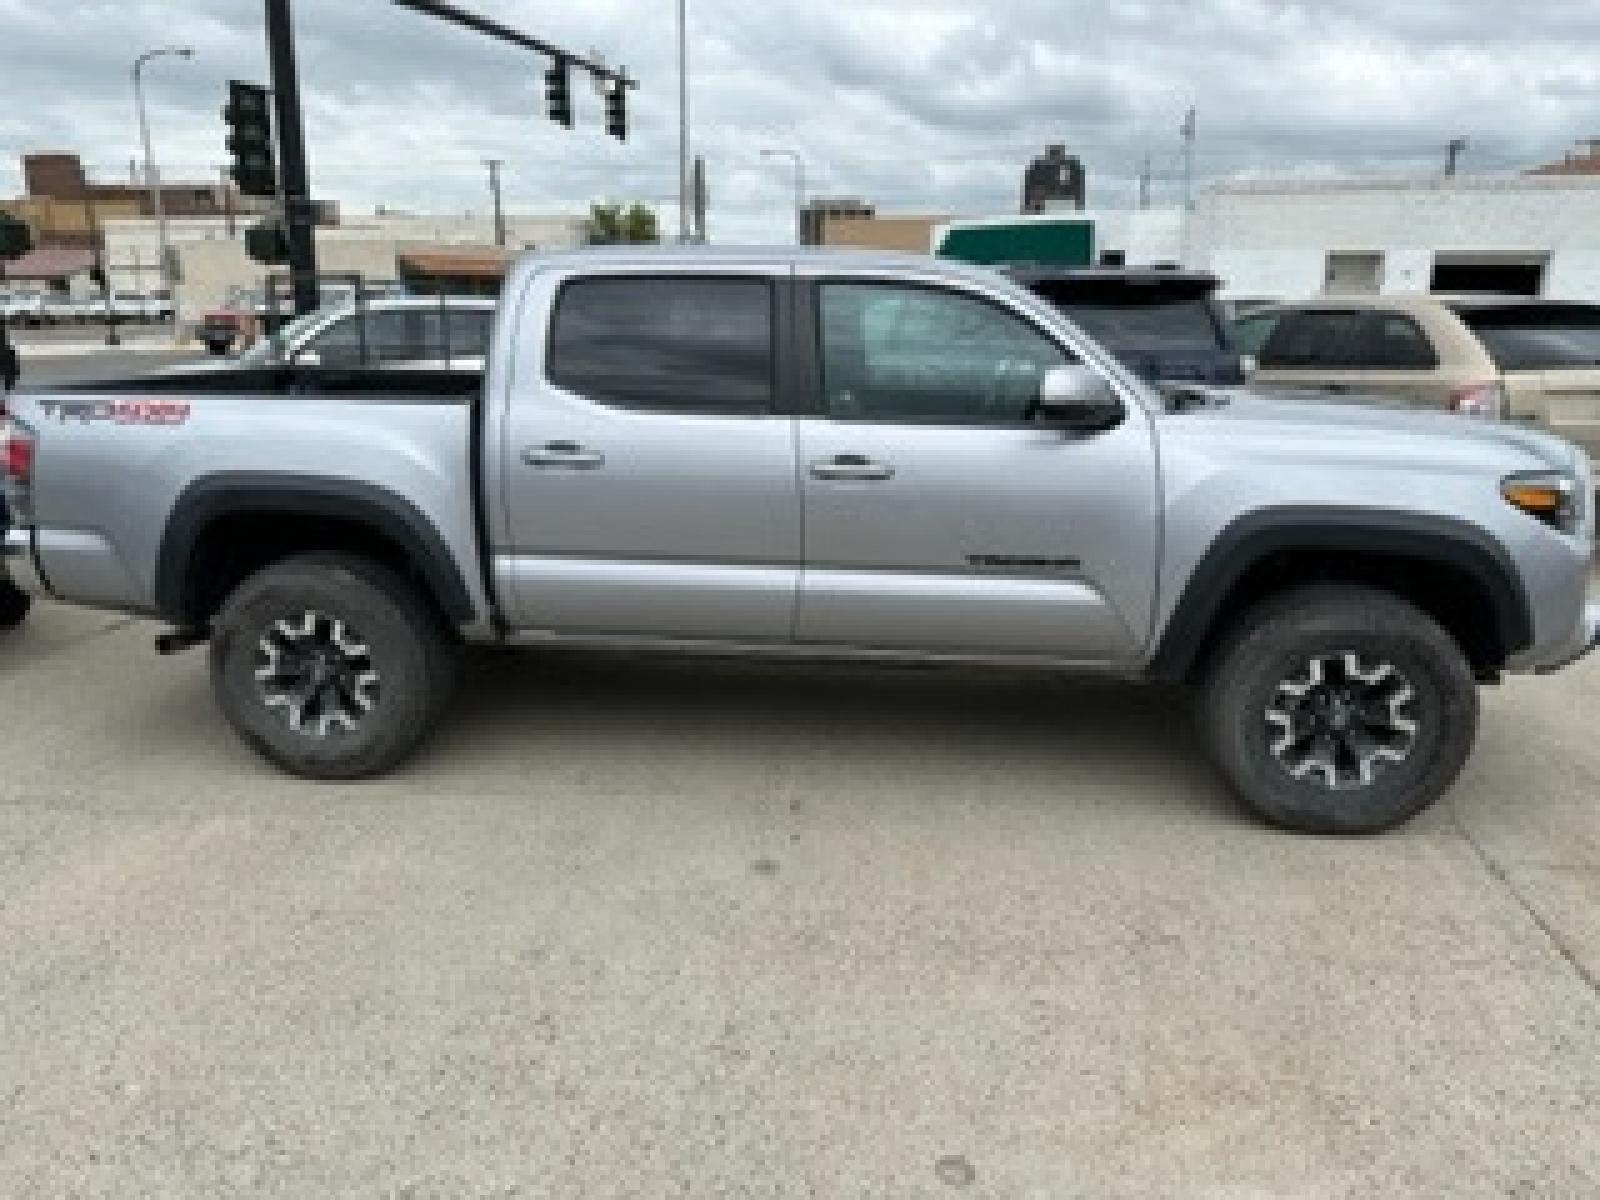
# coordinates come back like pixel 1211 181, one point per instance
pixel 299 217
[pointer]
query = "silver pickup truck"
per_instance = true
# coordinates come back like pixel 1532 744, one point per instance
pixel 793 454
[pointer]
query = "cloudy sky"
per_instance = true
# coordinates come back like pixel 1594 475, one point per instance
pixel 919 105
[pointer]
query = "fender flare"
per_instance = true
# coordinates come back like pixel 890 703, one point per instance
pixel 1382 533
pixel 234 493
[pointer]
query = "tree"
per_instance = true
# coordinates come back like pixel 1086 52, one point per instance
pixel 610 224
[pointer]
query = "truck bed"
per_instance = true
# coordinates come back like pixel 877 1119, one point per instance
pixel 123 463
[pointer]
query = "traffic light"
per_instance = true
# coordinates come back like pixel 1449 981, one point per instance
pixel 558 92
pixel 617 112
pixel 266 242
pixel 249 118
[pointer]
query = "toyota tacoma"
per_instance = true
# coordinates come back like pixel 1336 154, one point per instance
pixel 808 454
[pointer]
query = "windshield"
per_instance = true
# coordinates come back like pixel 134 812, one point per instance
pixel 1538 337
pixel 270 350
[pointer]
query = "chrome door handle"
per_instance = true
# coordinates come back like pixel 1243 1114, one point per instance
pixel 563 454
pixel 850 466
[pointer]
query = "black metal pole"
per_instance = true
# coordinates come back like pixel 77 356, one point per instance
pixel 298 215
pixel 499 213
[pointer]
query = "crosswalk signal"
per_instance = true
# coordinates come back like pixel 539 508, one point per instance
pixel 249 117
pixel 558 92
pixel 617 112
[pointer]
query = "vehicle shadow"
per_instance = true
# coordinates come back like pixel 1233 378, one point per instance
pixel 837 727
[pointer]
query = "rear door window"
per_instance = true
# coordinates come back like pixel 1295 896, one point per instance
pixel 667 344
pixel 1538 337
pixel 1314 339
pixel 1394 342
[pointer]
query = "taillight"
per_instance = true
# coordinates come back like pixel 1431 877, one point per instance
pixel 1479 400
pixel 16 454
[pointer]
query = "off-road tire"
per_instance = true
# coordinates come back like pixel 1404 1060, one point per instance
pixel 14 603
pixel 1273 644
pixel 408 650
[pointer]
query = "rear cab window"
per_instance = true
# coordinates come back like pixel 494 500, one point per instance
pixel 666 343
pixel 1537 337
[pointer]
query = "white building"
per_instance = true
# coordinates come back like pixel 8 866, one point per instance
pixel 1534 235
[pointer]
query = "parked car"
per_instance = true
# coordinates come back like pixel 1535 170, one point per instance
pixel 22 308
pixel 1528 360
pixel 449 332
pixel 62 309
pixel 1165 324
pixel 735 452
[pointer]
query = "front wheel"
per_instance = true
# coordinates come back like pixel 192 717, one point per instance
pixel 1339 709
pixel 330 667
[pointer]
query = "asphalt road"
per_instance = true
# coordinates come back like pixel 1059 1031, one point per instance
pixel 668 928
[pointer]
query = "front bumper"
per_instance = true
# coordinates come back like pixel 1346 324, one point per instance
pixel 1589 643
pixel 17 562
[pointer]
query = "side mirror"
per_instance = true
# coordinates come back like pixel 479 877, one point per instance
pixel 1078 398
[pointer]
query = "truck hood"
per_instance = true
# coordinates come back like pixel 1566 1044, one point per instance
pixel 1322 428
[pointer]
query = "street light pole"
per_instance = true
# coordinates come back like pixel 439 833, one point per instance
pixel 152 178
pixel 799 191
pixel 683 120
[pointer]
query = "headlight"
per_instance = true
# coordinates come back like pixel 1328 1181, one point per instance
pixel 1549 496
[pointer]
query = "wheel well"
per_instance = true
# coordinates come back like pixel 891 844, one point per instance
pixel 232 547
pixel 1453 594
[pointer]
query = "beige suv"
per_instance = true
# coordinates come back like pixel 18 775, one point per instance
pixel 1522 359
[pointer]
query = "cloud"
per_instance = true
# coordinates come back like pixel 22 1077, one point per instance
pixel 918 105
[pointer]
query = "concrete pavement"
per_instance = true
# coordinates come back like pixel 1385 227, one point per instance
pixel 652 928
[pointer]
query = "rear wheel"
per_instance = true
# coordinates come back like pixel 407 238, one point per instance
pixel 330 667
pixel 1339 709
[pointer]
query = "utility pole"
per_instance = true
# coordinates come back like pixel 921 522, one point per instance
pixel 1452 154
pixel 683 120
pixel 152 176
pixel 494 165
pixel 298 214
pixel 1144 182
pixel 698 198
pixel 1186 241
pixel 1188 132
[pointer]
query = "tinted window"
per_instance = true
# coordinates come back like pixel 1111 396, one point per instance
pixel 469 332
pixel 1312 339
pixel 1538 337
pixel 687 345
pixel 1396 342
pixel 1250 333
pixel 893 352
pixel 1184 323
